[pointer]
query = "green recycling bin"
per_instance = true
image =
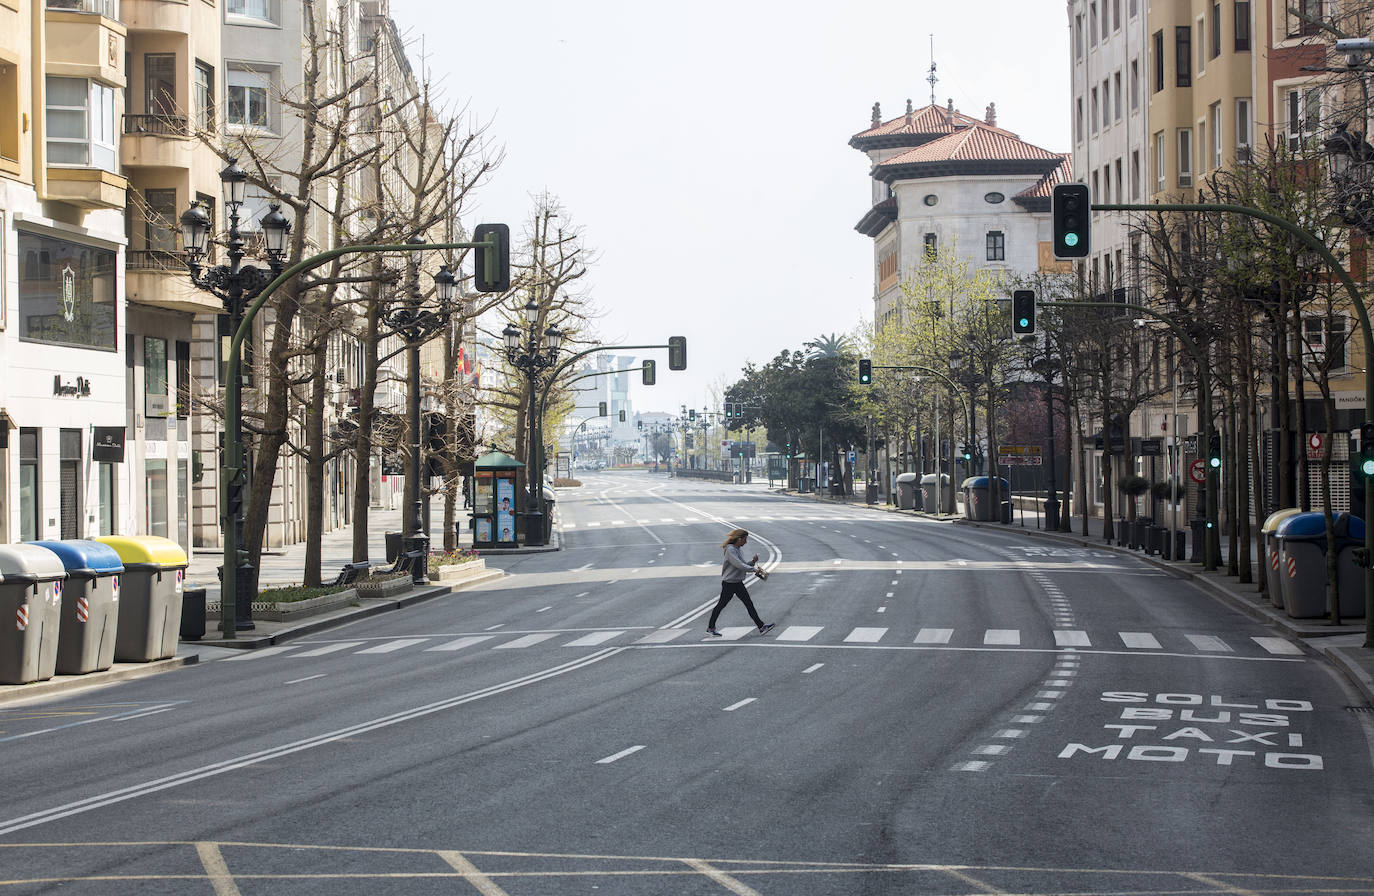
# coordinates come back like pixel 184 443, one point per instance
pixel 90 605
pixel 30 612
pixel 1272 581
pixel 150 596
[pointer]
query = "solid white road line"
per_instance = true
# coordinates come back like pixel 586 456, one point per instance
pixel 614 757
pixel 734 706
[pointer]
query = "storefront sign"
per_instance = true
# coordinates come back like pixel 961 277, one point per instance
pixel 107 445
pixel 79 388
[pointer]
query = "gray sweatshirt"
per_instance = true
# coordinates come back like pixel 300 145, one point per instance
pixel 734 568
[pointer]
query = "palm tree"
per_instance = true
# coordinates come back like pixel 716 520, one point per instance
pixel 831 346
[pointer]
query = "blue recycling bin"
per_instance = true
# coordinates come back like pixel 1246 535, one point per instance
pixel 1302 564
pixel 90 605
pixel 30 612
pixel 978 494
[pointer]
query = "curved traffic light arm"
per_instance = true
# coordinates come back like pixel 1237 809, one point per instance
pixel 953 387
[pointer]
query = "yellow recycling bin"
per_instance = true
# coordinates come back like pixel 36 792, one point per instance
pixel 149 596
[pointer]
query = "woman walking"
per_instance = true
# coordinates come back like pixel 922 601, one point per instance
pixel 733 570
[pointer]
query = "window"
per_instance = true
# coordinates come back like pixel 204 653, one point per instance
pixel 80 123
pixel 1242 14
pixel 1116 92
pixel 155 497
pixel 929 244
pixel 249 93
pixel 253 9
pixel 1201 145
pixel 1325 340
pixel 1106 103
pixel 1215 120
pixel 69 483
pixel 108 498
pixel 1078 36
pixel 1159 162
pixel 1078 121
pixel 1135 84
pixel 997 246
pixel 10 138
pixel 66 292
pixel 1107 184
pixel 1093 112
pixel 29 479
pixel 1243 129
pixel 1304 115
pixel 1116 15
pixel 161 220
pixel 1216 28
pixel 160 84
pixel 1185 157
pixel 204 96
pixel 1201 45
pixel 1158 44
pixel 1092 22
pixel 1183 53
pixel 1116 169
pixel 154 376
pixel 1132 7
pixel 1306 24
pixel 183 363
pixel 1135 175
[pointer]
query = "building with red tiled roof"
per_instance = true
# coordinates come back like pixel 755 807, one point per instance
pixel 948 182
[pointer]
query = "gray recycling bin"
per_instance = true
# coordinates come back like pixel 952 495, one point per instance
pixel 30 612
pixel 1302 564
pixel 150 596
pixel 1349 576
pixel 1270 531
pixel 945 503
pixel 977 492
pixel 90 605
pixel 906 492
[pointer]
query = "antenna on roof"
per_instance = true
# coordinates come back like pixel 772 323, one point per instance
pixel 931 77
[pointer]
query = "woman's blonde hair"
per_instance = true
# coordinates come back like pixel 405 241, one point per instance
pixel 735 537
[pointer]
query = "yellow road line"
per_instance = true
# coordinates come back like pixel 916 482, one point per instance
pixel 217 870
pixel 471 873
pixel 720 877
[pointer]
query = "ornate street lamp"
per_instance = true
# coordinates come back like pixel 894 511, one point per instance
pixel 1351 162
pixel 235 285
pixel 416 324
pixel 533 353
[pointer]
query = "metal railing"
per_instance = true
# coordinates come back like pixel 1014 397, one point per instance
pixel 162 125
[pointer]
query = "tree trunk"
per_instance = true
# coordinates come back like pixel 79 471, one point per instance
pixel 314 464
pixel 363 447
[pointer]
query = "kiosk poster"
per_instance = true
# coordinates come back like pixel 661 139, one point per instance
pixel 483 533
pixel 505 509
pixel 482 499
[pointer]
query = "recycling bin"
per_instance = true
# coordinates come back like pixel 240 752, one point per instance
pixel 393 546
pixel 929 503
pixel 979 499
pixel 192 613
pixel 906 492
pixel 30 612
pixel 1349 575
pixel 90 605
pixel 964 496
pixel 1270 532
pixel 1302 564
pixel 150 596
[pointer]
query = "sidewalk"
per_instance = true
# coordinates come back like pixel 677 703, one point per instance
pixel 1341 644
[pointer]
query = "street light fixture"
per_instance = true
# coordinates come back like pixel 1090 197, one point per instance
pixel 235 285
pixel 532 353
pixel 1350 157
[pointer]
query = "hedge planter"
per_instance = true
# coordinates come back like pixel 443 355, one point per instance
pixel 389 588
pixel 292 610
pixel 458 573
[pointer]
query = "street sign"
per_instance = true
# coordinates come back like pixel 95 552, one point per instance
pixel 1017 450
pixel 1315 441
pixel 1197 471
pixel 1018 455
pixel 1151 447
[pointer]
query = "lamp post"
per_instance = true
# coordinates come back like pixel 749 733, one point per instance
pixel 235 285
pixel 533 352
pixel 416 324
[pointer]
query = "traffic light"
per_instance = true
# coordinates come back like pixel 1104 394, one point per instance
pixel 491 265
pixel 865 372
pixel 1069 213
pixel 1214 451
pixel 649 374
pixel 787 449
pixel 601 409
pixel 639 424
pixel 677 352
pixel 1023 312
pixel 966 453
pixel 622 416
pixel 1367 449
pixel 692 414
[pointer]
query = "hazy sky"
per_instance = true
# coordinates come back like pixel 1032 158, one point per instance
pixel 703 150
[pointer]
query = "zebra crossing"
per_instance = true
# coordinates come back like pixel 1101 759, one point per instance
pixel 765 518
pixel 929 638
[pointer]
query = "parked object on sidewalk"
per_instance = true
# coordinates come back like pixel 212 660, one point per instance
pixel 90 605
pixel 1302 565
pixel 1270 531
pixel 150 596
pixel 192 614
pixel 30 612
pixel 929 502
pixel 907 492
pixel 1349 574
pixel 352 572
pixel 393 546
pixel 978 499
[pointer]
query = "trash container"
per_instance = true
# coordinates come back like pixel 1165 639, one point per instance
pixel 964 490
pixel 1158 535
pixel 1269 530
pixel 192 613
pixel 150 596
pixel 906 492
pixel 30 612
pixel 1349 576
pixel 90 605
pixel 550 502
pixel 1302 564
pixel 393 546
pixel 979 497
pixel 928 501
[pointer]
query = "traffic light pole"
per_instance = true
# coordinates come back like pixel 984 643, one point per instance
pixel 1366 334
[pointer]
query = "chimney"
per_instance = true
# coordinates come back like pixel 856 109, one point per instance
pixel 991 117
pixel 909 116
pixel 950 103
pixel 877 115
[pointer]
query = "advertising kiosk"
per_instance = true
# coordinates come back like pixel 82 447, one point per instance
pixel 495 501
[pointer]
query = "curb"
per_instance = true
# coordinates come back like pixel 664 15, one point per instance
pixel 118 672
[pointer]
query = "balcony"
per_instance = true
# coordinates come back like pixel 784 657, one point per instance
pixel 91 188
pixel 159 279
pixel 156 141
pixel 164 16
pixel 85 45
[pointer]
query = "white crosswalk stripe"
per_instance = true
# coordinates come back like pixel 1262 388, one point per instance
pixel 1140 641
pixel 1279 646
pixel 734 632
pixel 865 636
pixel 934 635
pixel 800 632
pixel 332 648
pixel 1209 643
pixel 527 641
pixel 1064 637
pixel 1002 637
pixel 663 636
pixel 393 646
pixel 594 639
pixel 460 643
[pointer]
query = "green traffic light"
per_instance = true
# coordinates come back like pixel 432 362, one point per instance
pixel 1071 239
pixel 1215 462
pixel 1367 466
pixel 1024 322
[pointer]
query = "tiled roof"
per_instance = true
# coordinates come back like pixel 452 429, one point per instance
pixel 976 143
pixel 1042 190
pixel 925 124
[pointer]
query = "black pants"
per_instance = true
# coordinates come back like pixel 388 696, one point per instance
pixel 729 590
